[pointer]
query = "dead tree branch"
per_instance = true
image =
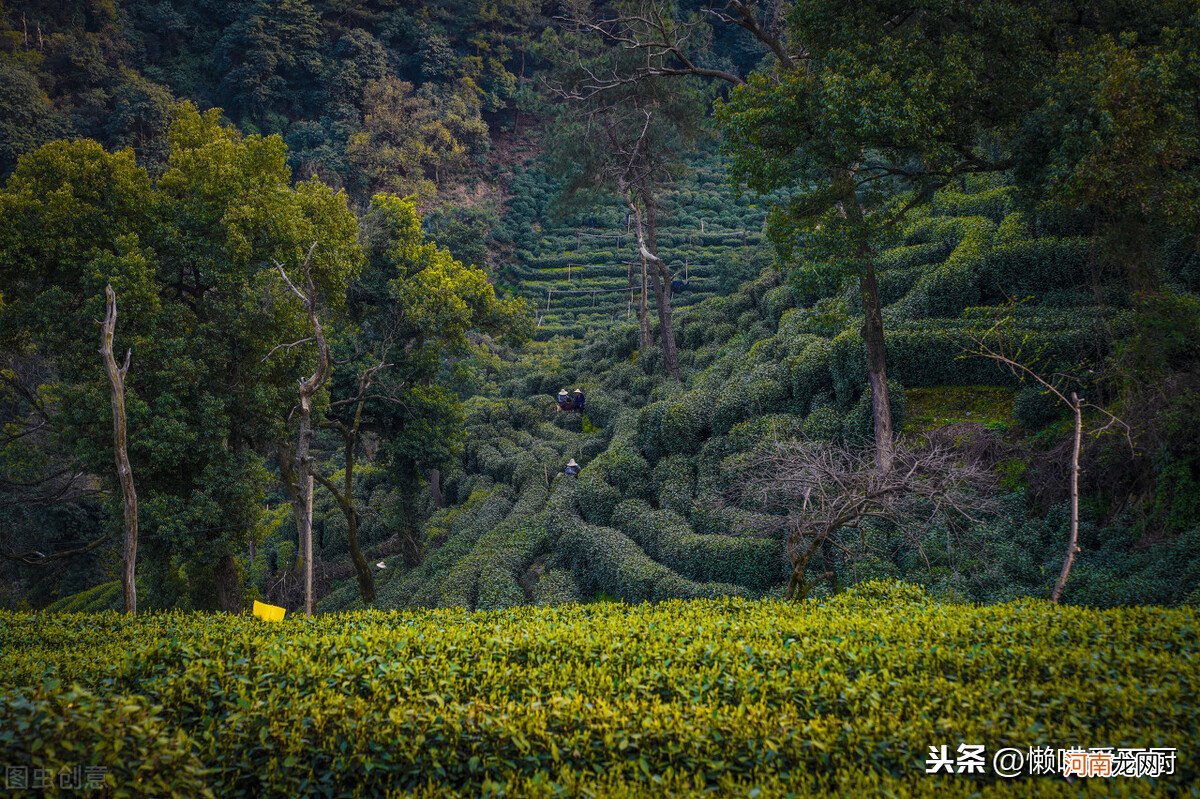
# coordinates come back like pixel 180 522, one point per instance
pixel 820 496
pixel 116 377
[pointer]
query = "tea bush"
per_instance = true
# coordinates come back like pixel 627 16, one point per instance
pixel 730 696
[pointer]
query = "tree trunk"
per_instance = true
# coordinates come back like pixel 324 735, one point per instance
pixel 876 352
pixel 645 332
pixel 228 587
pixel 366 580
pixel 662 288
pixel 116 376
pixel 302 502
pixel 435 488
pixel 1073 540
pixel 851 209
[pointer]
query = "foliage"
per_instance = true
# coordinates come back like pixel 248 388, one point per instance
pixel 599 696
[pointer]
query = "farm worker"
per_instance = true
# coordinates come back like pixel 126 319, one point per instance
pixel 572 468
pixel 579 400
pixel 564 400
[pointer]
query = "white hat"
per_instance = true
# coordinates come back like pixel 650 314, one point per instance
pixel 572 462
pixel 578 391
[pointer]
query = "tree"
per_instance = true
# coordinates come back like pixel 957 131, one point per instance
pixel 72 221
pixel 409 142
pixel 190 254
pixel 116 376
pixel 415 310
pixel 301 482
pixel 1112 136
pixel 822 495
pixel 998 344
pixel 27 117
pixel 859 112
pixel 269 60
pixel 631 138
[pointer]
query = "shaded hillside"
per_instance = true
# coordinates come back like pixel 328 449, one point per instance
pixel 580 269
pixel 645 518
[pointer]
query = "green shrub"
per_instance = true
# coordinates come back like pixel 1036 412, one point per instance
pixel 1023 268
pixel 724 696
pixel 686 422
pixel 993 204
pixel 596 496
pixel 810 372
pixel 1035 407
pixel 954 284
pixel 764 429
pixel 606 561
pixel 105 596
pixel 755 563
pixel 555 587
pixel 75 735
pixel 824 423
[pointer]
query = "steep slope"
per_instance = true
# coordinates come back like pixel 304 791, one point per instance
pixel 580 269
pixel 645 518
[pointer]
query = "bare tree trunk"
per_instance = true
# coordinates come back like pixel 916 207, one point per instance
pixel 307 482
pixel 645 332
pixel 302 503
pixel 1073 540
pixel 997 353
pixel 435 488
pixel 663 292
pixel 116 376
pixel 876 353
pixel 366 580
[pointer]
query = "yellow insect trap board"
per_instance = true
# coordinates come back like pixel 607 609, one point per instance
pixel 268 612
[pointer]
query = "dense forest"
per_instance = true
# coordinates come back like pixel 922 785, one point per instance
pixel 900 291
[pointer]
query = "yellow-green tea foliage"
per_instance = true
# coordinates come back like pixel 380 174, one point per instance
pixel 740 697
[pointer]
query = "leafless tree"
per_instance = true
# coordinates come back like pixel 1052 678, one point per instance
pixel 116 377
pixel 1000 344
pixel 300 477
pixel 821 495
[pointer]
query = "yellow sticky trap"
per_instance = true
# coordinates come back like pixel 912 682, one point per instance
pixel 268 612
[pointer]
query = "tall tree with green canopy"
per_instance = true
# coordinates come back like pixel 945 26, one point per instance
pixel 859 113
pixel 72 218
pixel 191 254
pixel 416 311
pixel 270 61
pixel 863 113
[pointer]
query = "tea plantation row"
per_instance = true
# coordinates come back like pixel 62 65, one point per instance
pixel 748 698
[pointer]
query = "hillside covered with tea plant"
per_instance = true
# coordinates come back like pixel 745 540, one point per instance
pixel 649 515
